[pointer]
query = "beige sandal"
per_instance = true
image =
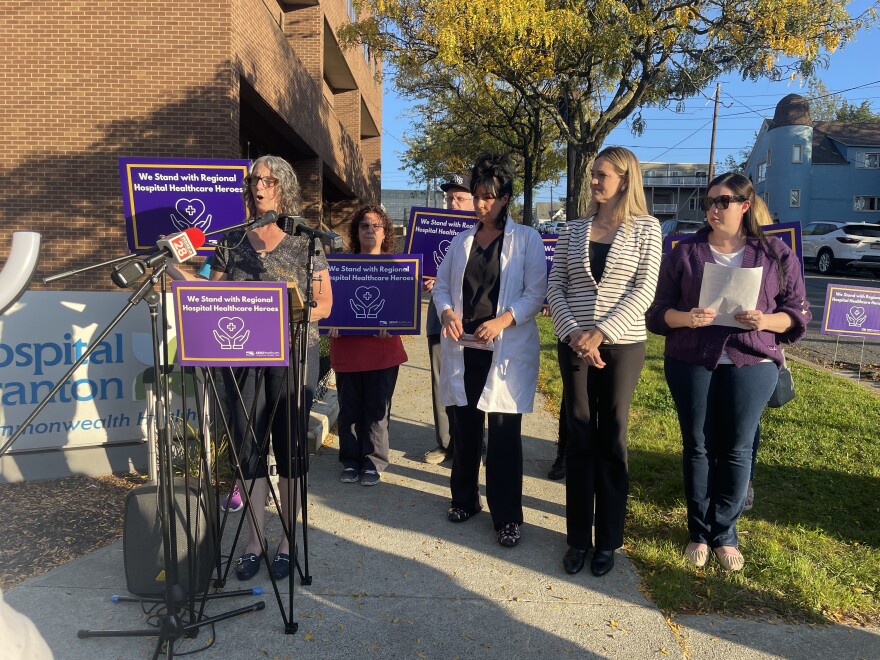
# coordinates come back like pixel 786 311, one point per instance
pixel 697 554
pixel 731 559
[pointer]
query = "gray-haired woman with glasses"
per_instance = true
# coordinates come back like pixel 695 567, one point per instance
pixel 267 254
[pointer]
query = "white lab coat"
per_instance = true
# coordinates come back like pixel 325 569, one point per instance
pixel 513 377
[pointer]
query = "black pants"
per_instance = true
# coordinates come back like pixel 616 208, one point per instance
pixel 364 416
pixel 250 438
pixel 443 422
pixel 597 408
pixel 504 461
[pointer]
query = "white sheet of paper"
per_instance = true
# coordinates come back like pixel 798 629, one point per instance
pixel 729 291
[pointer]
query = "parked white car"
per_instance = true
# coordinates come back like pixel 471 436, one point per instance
pixel 837 245
pixel 555 227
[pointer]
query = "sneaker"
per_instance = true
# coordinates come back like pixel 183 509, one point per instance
pixel 370 478
pixel 436 456
pixel 232 502
pixel 349 476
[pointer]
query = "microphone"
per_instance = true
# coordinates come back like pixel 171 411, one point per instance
pixel 332 241
pixel 268 218
pixel 178 247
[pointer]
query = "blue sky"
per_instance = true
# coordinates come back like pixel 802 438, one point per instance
pixel 685 137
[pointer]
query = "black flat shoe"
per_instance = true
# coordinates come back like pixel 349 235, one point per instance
pixel 248 566
pixel 557 471
pixel 574 560
pixel 280 567
pixel 603 561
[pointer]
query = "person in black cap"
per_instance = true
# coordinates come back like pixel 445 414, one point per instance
pixel 459 198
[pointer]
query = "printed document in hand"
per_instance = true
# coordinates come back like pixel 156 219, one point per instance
pixel 469 341
pixel 729 291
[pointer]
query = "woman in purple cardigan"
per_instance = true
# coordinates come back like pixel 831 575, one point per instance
pixel 721 377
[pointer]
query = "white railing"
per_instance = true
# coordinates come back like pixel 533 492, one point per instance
pixel 665 208
pixel 691 181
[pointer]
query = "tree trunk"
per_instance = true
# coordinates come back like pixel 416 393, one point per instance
pixel 528 184
pixel 581 184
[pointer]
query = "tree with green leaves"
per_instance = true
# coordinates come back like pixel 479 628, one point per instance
pixel 606 59
pixel 828 106
pixel 457 118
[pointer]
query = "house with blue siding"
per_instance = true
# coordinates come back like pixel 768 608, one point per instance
pixel 808 171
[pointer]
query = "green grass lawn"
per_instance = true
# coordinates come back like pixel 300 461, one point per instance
pixel 812 541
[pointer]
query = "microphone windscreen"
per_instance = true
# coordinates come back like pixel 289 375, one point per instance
pixel 196 236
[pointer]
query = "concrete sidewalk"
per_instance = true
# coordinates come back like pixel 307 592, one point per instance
pixel 392 578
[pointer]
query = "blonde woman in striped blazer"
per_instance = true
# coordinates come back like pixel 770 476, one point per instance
pixel 603 278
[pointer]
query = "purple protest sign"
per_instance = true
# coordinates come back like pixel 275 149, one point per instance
pixel 789 232
pixel 431 232
pixel 550 241
pixel 164 196
pixel 238 324
pixel 373 292
pixel 852 311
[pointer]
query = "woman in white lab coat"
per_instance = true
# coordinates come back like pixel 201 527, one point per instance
pixel 489 288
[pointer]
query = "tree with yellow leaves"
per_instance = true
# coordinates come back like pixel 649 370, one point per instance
pixel 605 59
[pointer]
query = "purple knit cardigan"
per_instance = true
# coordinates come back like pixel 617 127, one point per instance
pixel 678 287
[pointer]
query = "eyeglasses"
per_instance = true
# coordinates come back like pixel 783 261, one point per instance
pixel 458 198
pixel 268 181
pixel 376 227
pixel 721 202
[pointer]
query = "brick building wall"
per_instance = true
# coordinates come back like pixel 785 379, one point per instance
pixel 87 83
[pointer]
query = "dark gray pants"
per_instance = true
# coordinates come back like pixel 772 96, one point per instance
pixel 443 415
pixel 364 416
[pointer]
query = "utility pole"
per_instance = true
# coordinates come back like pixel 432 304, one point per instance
pixel 714 125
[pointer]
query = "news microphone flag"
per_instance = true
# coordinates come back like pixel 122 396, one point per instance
pixel 183 246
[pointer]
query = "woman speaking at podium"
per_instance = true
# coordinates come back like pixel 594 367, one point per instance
pixel 267 254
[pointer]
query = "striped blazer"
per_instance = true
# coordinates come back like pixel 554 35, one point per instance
pixel 616 304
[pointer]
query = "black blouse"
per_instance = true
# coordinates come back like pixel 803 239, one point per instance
pixel 598 256
pixel 482 284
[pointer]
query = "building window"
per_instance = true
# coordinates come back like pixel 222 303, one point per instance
pixel 794 199
pixel 762 172
pixel 693 204
pixel 870 159
pixel 865 203
pixel 769 152
pixel 797 153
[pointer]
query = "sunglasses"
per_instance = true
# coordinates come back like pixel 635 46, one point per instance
pixel 721 202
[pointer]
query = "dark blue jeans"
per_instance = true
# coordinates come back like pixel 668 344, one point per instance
pixel 718 411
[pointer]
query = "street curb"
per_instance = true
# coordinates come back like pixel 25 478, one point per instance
pixel 325 411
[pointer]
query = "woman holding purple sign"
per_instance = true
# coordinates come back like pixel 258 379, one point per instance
pixel 366 369
pixel 267 254
pixel 721 376
pixel 489 288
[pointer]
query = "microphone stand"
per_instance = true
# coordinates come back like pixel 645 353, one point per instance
pixel 172 622
pixel 297 377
